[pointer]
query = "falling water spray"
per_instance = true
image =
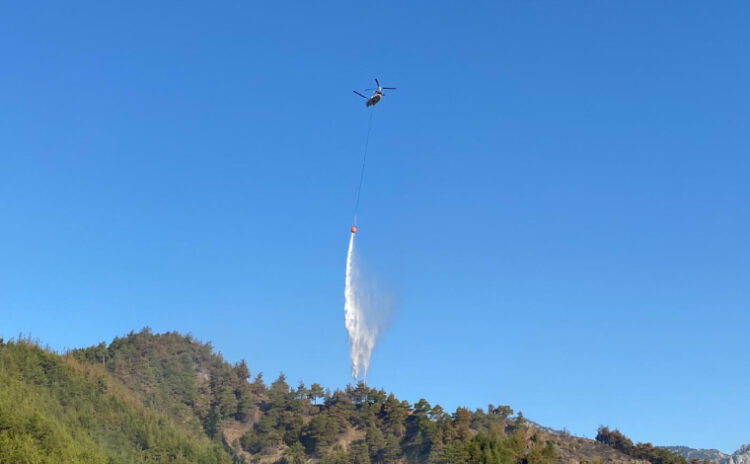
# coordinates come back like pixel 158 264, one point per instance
pixel 362 325
pixel 361 340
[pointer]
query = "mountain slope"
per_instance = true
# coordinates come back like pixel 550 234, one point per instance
pixel 168 398
pixel 56 409
pixel 741 456
pixel 179 375
pixel 278 423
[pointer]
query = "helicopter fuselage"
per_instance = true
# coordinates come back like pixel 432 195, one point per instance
pixel 374 99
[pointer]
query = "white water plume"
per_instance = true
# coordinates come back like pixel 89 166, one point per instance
pixel 364 315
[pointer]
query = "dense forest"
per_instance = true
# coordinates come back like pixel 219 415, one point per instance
pixel 54 409
pixel 167 398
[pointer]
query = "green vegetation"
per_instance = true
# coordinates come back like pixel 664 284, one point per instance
pixel 284 424
pixel 386 430
pixel 645 451
pixel 167 398
pixel 55 409
pixel 178 375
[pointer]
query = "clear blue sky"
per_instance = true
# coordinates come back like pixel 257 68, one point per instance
pixel 557 194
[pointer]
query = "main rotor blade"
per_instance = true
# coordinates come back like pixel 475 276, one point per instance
pixel 367 90
pixel 389 88
pixel 376 81
pixel 359 94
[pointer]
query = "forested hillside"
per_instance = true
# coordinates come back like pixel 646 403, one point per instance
pixel 55 409
pixel 281 423
pixel 169 398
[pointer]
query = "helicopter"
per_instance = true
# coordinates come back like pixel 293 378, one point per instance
pixel 376 95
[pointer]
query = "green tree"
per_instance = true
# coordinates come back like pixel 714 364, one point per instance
pixel 319 433
pixel 315 392
pixel 336 455
pixel 278 394
pixel 375 443
pixel 359 454
pixel 391 451
pixel 394 415
pixel 293 454
pixel 462 423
